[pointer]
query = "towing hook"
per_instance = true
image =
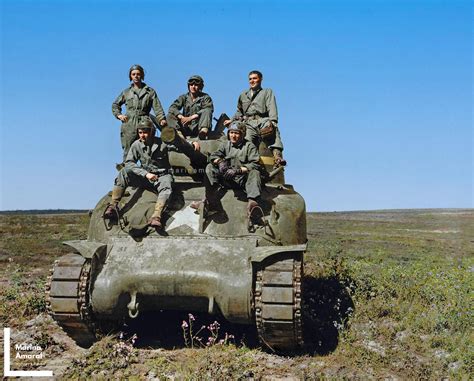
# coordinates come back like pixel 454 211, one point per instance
pixel 133 305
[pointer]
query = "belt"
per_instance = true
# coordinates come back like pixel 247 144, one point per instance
pixel 138 113
pixel 162 173
pixel 255 117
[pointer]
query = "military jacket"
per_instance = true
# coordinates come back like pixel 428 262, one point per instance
pixel 152 158
pixel 138 102
pixel 262 105
pixel 190 107
pixel 245 154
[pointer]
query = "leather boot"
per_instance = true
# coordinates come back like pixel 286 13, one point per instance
pixel 155 220
pixel 117 193
pixel 278 158
pixel 251 204
pixel 203 133
pixel 112 210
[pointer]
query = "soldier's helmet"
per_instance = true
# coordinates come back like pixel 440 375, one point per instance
pixel 196 80
pixel 146 124
pixel 237 126
pixel 136 67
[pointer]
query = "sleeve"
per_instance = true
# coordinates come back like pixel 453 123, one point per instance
pixel 132 159
pixel 206 105
pixel 253 157
pixel 176 106
pixel 117 104
pixel 271 106
pixel 220 153
pixel 157 108
pixel 240 112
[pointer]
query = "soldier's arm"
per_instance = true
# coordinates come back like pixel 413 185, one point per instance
pixel 176 106
pixel 157 108
pixel 271 106
pixel 117 105
pixel 253 157
pixel 240 112
pixel 220 153
pixel 206 105
pixel 132 159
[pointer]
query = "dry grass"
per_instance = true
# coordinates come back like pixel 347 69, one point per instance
pixel 388 294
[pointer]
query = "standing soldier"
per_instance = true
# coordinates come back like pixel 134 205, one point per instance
pixel 139 99
pixel 257 108
pixel 192 112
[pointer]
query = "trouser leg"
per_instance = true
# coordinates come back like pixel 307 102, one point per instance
pixel 211 183
pixel 205 122
pixel 128 134
pixel 253 184
pixel 275 142
pixel 173 121
pixel 163 186
pixel 212 173
pixel 252 134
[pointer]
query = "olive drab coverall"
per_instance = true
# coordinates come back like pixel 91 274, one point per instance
pixel 185 106
pixel 153 159
pixel 258 111
pixel 243 154
pixel 139 103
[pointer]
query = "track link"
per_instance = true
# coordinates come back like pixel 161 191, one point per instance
pixel 67 298
pixel 278 304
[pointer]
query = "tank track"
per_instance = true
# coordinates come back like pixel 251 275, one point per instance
pixel 278 304
pixel 67 298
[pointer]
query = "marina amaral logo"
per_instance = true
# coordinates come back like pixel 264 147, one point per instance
pixel 23 351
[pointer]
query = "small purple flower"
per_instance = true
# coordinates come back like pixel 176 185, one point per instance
pixel 184 325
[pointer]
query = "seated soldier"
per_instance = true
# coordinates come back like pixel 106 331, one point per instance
pixel 154 172
pixel 191 113
pixel 235 163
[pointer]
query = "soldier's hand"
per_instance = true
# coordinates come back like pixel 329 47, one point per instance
pixel 231 173
pixel 197 146
pixel 186 119
pixel 123 118
pixel 227 122
pixel 163 122
pixel 151 176
pixel 223 167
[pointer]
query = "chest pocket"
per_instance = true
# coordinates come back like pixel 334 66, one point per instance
pixel 130 100
pixel 245 105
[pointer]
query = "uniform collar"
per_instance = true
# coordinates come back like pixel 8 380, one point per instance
pixel 238 145
pixel 198 97
pixel 155 144
pixel 249 92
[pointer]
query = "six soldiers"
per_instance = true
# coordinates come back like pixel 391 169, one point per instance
pixel 234 164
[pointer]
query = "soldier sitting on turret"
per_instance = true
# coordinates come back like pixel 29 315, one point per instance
pixel 235 163
pixel 191 113
pixel 154 171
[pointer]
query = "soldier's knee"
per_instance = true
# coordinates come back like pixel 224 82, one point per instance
pixel 254 174
pixel 164 193
pixel 210 170
pixel 123 177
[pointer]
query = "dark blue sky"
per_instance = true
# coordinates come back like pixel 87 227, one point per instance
pixel 374 97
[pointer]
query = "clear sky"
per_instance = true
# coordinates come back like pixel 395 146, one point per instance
pixel 374 97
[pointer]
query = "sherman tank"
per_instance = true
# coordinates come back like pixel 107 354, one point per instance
pixel 248 270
